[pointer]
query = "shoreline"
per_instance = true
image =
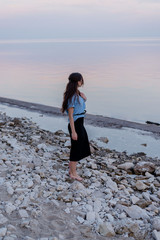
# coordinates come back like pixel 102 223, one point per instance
pixel 91 119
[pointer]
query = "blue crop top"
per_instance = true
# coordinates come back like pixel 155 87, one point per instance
pixel 78 103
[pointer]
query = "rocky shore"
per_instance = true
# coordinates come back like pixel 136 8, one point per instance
pixel 119 197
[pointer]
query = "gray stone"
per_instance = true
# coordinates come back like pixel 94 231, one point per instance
pixel 10 208
pixel 111 184
pixel 91 216
pixel 106 229
pixel 134 199
pixel 140 185
pixel 136 212
pixel 23 213
pixel 126 166
pixel 3 231
pixel 3 219
pixel 143 167
pixel 157 171
pixel 156 223
pixel 156 235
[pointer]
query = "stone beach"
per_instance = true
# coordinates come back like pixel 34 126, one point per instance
pixel 119 197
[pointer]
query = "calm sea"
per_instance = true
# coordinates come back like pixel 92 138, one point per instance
pixel 122 77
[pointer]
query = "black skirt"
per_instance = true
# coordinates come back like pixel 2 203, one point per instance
pixel 80 147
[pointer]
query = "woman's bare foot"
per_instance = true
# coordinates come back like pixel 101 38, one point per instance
pixel 76 177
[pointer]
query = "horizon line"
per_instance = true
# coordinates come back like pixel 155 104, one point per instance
pixel 69 40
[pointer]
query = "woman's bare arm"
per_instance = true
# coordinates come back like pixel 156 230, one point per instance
pixel 73 131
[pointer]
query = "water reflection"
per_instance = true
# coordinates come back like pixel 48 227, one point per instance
pixel 121 78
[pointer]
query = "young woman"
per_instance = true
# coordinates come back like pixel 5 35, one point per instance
pixel 74 105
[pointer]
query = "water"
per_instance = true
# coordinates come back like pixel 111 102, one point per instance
pixel 125 139
pixel 121 77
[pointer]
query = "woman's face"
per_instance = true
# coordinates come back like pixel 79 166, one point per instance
pixel 80 83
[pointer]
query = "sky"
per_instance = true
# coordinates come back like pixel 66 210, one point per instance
pixel 79 19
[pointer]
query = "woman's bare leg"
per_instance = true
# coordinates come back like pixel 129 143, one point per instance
pixel 73 172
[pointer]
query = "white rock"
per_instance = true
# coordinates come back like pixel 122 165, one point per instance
pixel 77 186
pixel 140 185
pixel 93 166
pixel 11 228
pixel 23 213
pixel 30 184
pixel 134 199
pixel 67 210
pixel 87 173
pixel 91 216
pixel 60 187
pixel 156 235
pixel 80 219
pixel 106 229
pixel 158 194
pixel 157 171
pixel 156 223
pixel 146 196
pixel 1 180
pixel 10 190
pixel 122 215
pixel 97 206
pixel 3 219
pixel 10 208
pixel 112 185
pixel 136 212
pixel 126 166
pixel 67 143
pixel 89 207
pixel 110 217
pixel 3 232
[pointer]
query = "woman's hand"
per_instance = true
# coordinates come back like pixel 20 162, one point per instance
pixel 83 96
pixel 74 136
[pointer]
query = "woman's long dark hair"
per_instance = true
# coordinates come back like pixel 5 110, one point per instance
pixel 71 89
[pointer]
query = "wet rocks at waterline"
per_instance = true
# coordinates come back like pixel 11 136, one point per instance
pixel 119 197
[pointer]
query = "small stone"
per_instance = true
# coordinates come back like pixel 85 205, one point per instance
pixel 3 219
pixel 136 212
pixel 104 139
pixel 67 210
pixel 91 216
pixel 30 184
pixel 3 232
pixel 143 167
pixel 156 235
pixel 126 166
pixel 106 229
pixel 134 199
pixel 67 143
pixel 10 190
pixel 158 194
pixel 80 219
pixel 146 196
pixel 10 208
pixel 156 223
pixel 111 184
pixel 143 203
pixel 157 171
pixel 23 213
pixel 140 185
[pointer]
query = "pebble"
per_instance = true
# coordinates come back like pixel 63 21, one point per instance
pixel 3 231
pixel 106 229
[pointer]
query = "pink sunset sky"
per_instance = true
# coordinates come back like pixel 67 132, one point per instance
pixel 74 19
